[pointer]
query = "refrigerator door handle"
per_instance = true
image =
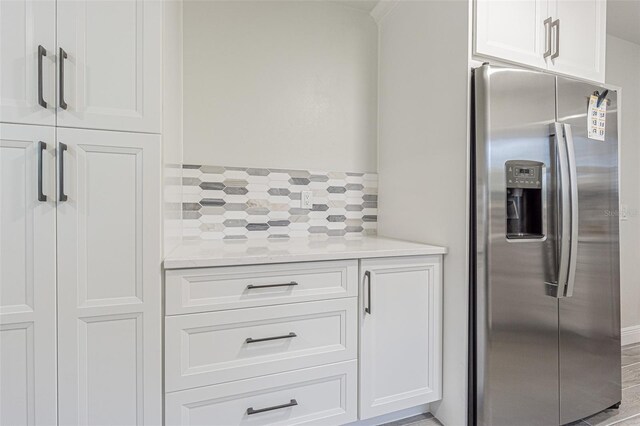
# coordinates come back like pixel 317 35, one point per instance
pixel 564 207
pixel 573 179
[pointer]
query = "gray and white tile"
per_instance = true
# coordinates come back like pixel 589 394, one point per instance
pixel 245 203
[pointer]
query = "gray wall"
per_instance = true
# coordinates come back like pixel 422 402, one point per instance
pixel 280 84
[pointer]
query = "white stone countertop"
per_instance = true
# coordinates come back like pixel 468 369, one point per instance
pixel 203 253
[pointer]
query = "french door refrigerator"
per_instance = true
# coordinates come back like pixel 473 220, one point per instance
pixel 545 316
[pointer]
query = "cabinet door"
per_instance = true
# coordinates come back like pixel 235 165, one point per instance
pixel 512 31
pixel 112 71
pixel 25 25
pixel 581 33
pixel 400 334
pixel 109 289
pixel 27 277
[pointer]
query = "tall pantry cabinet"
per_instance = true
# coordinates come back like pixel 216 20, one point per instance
pixel 80 123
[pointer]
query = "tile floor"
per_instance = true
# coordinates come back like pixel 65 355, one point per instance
pixel 627 415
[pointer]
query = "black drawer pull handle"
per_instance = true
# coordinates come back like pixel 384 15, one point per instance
pixel 41 147
pixel 367 276
pixel 291 403
pixel 63 56
pixel 250 286
pixel 63 148
pixel 41 52
pixel 266 339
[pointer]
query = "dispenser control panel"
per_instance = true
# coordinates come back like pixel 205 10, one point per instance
pixel 525 174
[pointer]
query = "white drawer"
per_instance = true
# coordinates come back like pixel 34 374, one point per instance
pixel 214 347
pixel 325 395
pixel 214 289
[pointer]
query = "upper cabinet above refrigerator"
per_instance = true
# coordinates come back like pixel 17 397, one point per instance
pixel 564 36
pixel 93 64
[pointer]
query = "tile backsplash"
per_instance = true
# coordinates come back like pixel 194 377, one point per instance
pixel 247 203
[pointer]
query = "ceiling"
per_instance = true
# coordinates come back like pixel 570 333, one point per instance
pixel 623 19
pixel 364 5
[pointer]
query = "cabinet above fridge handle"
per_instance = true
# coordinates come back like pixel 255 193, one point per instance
pixel 41 53
pixel 547 37
pixel 63 56
pixel 556 24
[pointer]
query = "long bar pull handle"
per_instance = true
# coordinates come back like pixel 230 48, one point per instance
pixel 556 24
pixel 41 53
pixel 266 339
pixel 565 209
pixel 252 410
pixel 62 149
pixel 367 277
pixel 41 147
pixel 573 179
pixel 547 37
pixel 251 286
pixel 63 56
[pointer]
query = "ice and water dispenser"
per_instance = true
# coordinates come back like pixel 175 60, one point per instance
pixel 524 199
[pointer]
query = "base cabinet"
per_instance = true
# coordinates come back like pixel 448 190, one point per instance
pixel 324 395
pixel 400 334
pixel 27 277
pixel 109 297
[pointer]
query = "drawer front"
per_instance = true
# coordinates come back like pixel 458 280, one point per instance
pixel 215 289
pixel 217 347
pixel 325 395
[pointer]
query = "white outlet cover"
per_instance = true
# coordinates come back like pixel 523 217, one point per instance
pixel 305 199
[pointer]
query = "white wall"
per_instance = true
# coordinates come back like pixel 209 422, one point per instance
pixel 172 123
pixel 280 84
pixel 423 160
pixel 623 70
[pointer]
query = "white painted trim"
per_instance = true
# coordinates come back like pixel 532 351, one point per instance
pixel 382 9
pixel 392 417
pixel 631 335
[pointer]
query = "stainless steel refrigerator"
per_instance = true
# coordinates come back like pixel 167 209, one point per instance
pixel 545 315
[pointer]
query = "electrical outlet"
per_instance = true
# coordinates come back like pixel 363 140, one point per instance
pixel 305 200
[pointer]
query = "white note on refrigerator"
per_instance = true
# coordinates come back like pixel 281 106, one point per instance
pixel 596 119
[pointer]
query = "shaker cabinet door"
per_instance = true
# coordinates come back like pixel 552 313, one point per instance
pixel 400 333
pixel 110 64
pixel 513 31
pixel 27 276
pixel 27 64
pixel 582 37
pixel 109 288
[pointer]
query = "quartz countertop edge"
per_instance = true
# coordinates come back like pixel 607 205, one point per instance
pixel 203 254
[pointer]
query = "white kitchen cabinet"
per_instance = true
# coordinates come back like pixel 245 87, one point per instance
pixel 25 25
pixel 563 36
pixel 110 77
pixel 400 333
pixel 582 38
pixel 27 276
pixel 512 30
pixel 109 296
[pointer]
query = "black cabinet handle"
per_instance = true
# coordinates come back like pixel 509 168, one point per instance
pixel 291 403
pixel 250 286
pixel 41 52
pixel 266 339
pixel 41 147
pixel 367 276
pixel 63 148
pixel 63 56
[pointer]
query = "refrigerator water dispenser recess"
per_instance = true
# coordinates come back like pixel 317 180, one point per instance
pixel 524 200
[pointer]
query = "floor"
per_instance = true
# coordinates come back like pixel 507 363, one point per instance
pixel 627 415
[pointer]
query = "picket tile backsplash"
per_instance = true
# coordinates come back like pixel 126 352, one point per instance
pixel 246 203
